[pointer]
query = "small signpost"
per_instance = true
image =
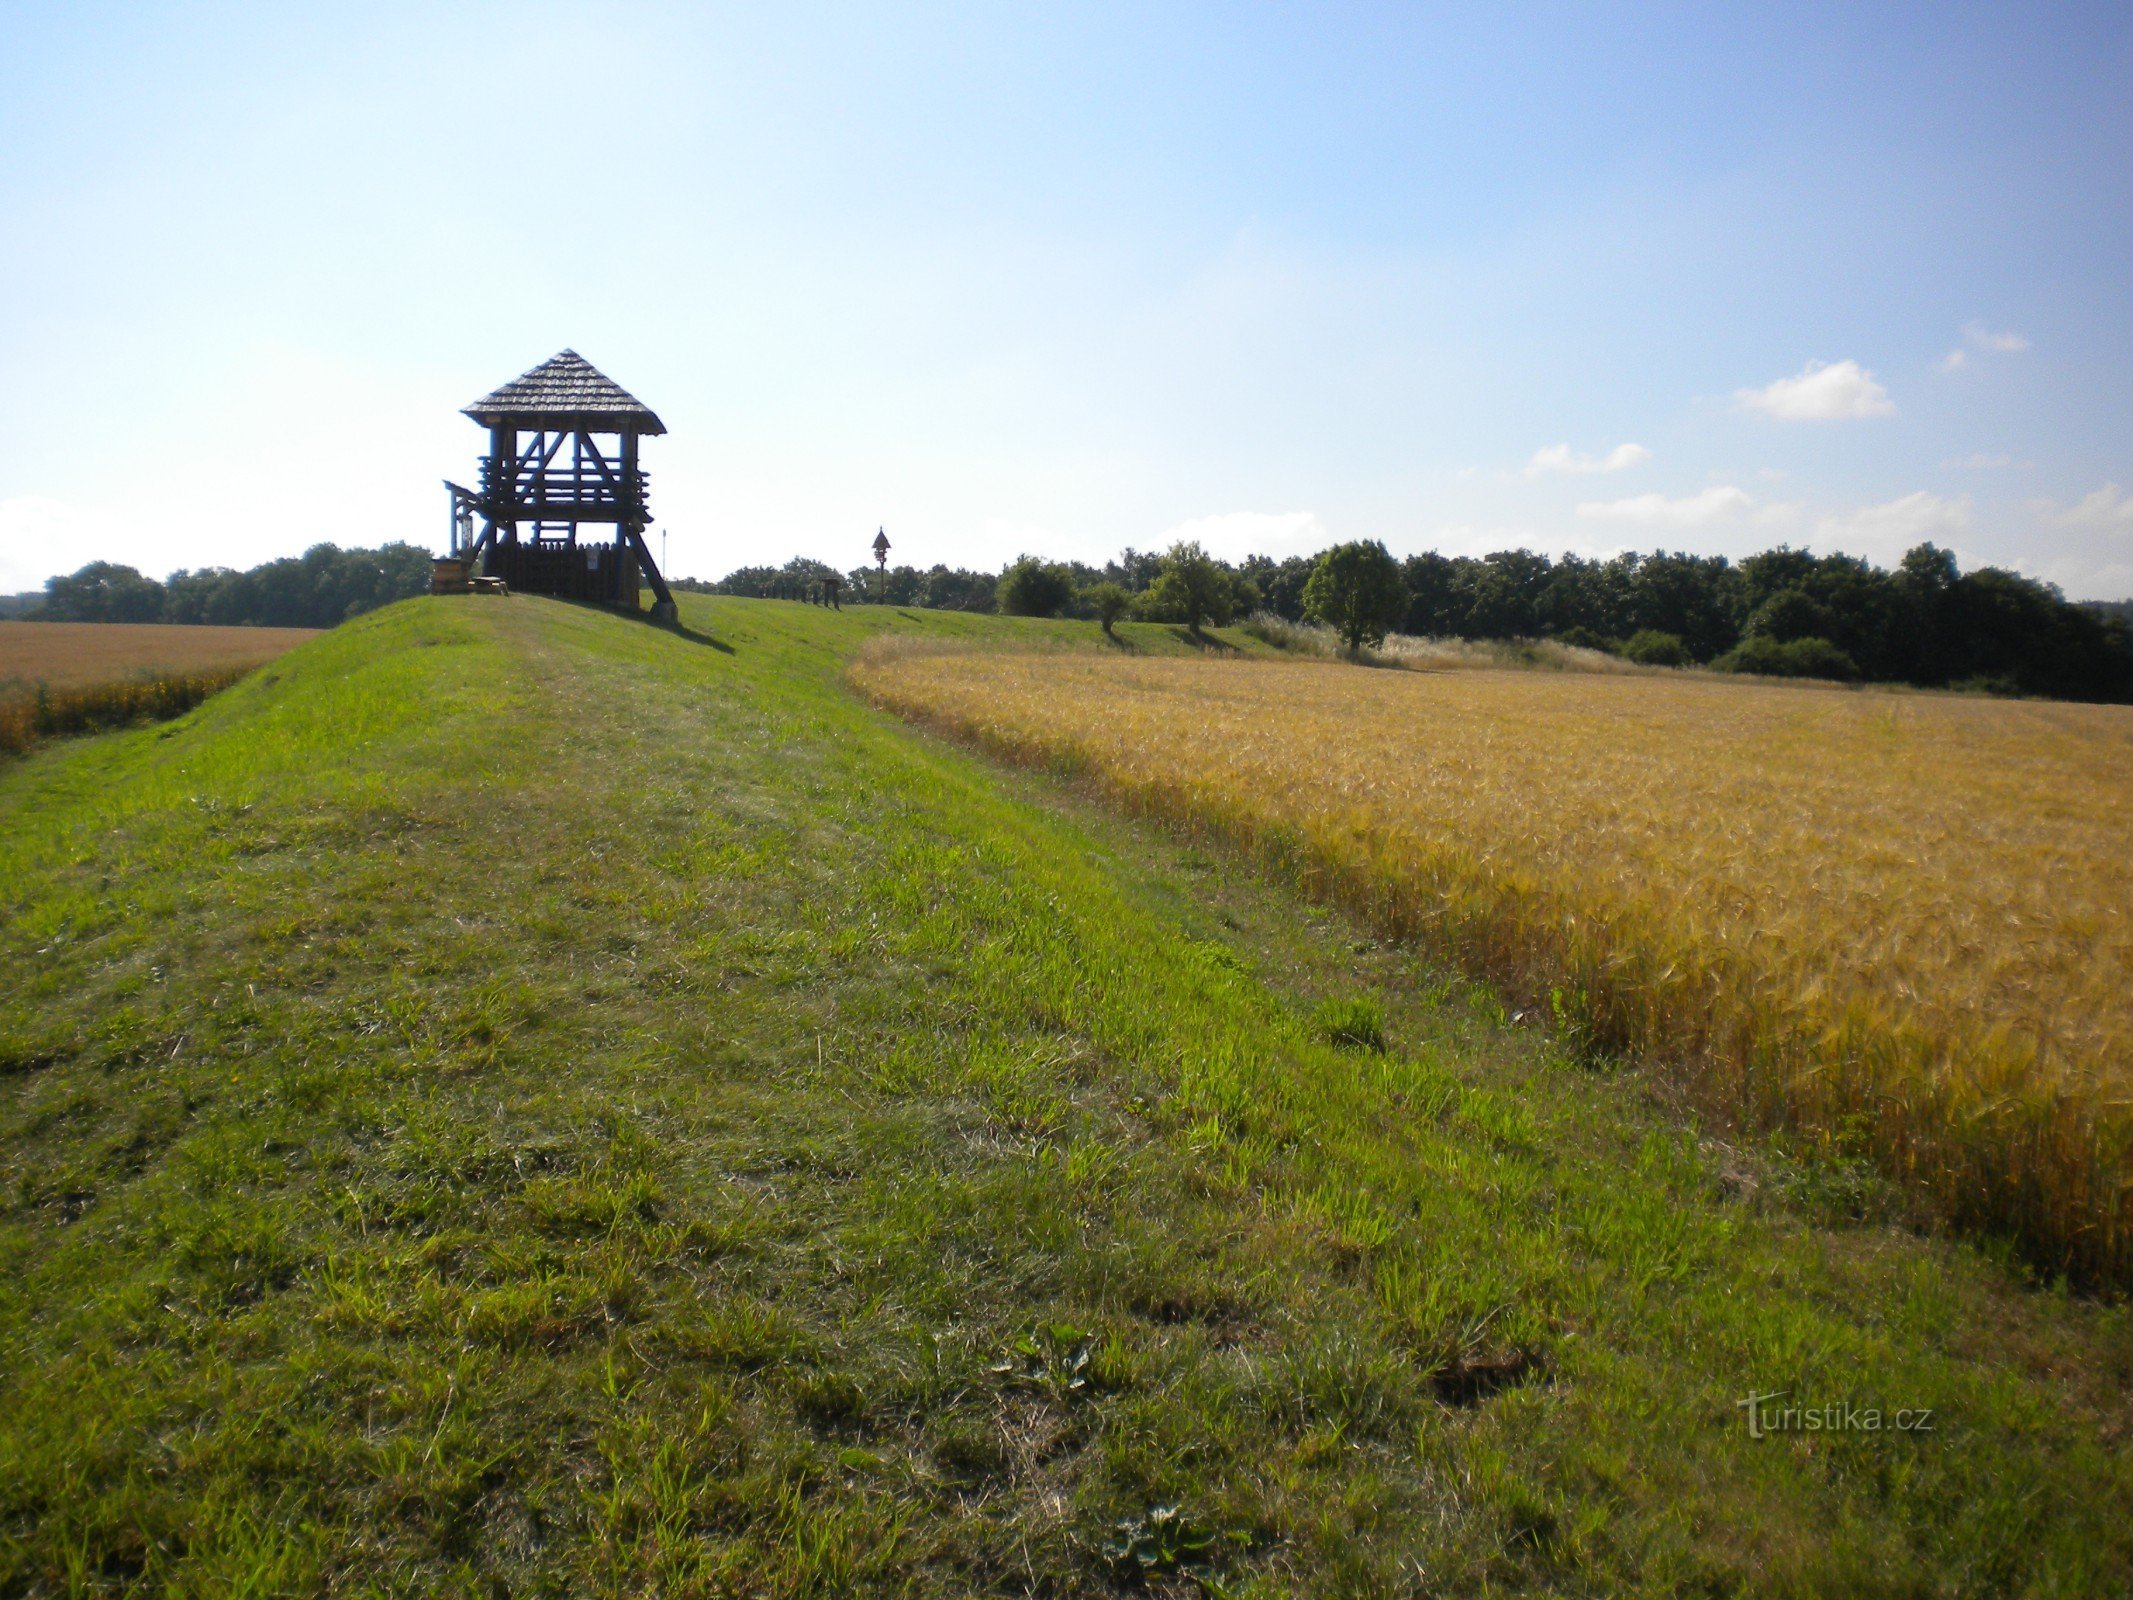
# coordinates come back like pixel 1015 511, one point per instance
pixel 881 566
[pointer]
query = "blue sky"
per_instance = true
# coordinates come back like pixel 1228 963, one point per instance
pixel 1071 278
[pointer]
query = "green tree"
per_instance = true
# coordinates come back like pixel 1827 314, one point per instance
pixel 1280 584
pixel 1192 588
pixel 1034 588
pixel 103 591
pixel 1109 601
pixel 1792 614
pixel 1356 590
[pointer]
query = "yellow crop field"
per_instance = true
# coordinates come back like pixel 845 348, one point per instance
pixel 1896 923
pixel 67 677
pixel 73 655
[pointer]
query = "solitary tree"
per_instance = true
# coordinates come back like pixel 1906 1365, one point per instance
pixel 1109 601
pixel 1356 590
pixel 1192 588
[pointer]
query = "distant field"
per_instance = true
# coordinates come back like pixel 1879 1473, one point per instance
pixel 61 678
pixel 66 655
pixel 1899 922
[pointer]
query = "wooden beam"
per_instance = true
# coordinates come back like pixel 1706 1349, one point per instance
pixel 600 461
pixel 649 567
pixel 572 511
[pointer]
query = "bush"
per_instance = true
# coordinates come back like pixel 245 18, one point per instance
pixel 1583 638
pixel 1788 658
pixel 1034 588
pixel 1305 638
pixel 1650 648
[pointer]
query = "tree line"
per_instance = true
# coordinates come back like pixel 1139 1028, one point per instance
pixel 1782 612
pixel 323 586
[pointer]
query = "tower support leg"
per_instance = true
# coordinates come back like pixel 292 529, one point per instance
pixel 663 607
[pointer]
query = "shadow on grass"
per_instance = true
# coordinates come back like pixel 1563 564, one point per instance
pixel 1205 641
pixel 685 631
pixel 680 630
pixel 1367 657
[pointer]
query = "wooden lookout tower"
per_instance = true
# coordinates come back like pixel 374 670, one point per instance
pixel 548 474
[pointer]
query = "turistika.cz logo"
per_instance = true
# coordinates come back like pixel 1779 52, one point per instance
pixel 1767 1417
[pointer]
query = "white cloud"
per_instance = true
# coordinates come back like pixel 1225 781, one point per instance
pixel 1718 503
pixel 1985 339
pixel 1824 391
pixel 1980 461
pixel 1561 458
pixel 2113 581
pixel 2087 547
pixel 1884 532
pixel 2109 507
pixel 1980 337
pixel 41 537
pixel 1233 535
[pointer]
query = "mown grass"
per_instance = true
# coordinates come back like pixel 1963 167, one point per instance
pixel 518 1101
pixel 1893 924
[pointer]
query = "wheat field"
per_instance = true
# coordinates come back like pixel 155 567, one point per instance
pixel 69 677
pixel 74 655
pixel 1892 924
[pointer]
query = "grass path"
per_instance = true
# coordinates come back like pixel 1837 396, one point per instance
pixel 508 1100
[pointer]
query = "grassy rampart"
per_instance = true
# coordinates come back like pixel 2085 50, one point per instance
pixel 527 1102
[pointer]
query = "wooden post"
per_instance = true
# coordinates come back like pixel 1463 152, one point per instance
pixel 632 519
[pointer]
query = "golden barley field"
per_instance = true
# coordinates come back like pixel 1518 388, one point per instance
pixel 1897 924
pixel 69 677
pixel 70 655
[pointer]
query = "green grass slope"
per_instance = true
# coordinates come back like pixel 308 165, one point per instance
pixel 509 1100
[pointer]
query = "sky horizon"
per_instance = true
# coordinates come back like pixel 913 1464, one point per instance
pixel 996 279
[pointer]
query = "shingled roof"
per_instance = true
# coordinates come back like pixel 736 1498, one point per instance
pixel 566 391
